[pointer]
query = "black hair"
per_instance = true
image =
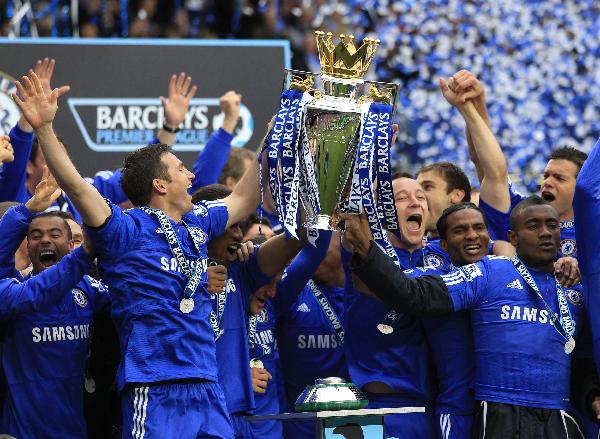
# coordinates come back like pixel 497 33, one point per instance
pixel 252 219
pixel 571 154
pixel 454 177
pixel 211 192
pixel 140 168
pixel 517 211
pixel 442 222
pixel 401 174
pixel 66 215
pixel 56 214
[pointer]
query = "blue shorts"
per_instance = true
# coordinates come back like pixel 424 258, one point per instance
pixel 405 425
pixel 454 426
pixel 182 411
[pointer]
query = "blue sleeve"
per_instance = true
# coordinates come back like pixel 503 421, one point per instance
pixel 211 160
pixel 466 285
pixel 253 274
pixel 586 206
pixel 108 184
pixel 99 294
pixel 499 222
pixel 48 286
pixel 14 224
pixel 13 175
pixel 115 236
pixel 213 216
pixel 301 270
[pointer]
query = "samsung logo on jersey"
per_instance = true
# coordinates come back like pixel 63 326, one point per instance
pixel 60 333
pixel 170 264
pixel 516 312
pixel 320 341
pixel 264 337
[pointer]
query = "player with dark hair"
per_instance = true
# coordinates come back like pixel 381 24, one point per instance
pixel 154 259
pixel 524 322
pixel 444 183
pixel 45 319
pixel 497 196
pixel 246 273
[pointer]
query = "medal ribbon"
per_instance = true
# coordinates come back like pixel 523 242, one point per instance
pixel 565 326
pixel 328 310
pixel 216 317
pixel 252 322
pixel 194 277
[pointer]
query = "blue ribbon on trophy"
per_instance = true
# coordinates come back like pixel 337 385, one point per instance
pixel 328 149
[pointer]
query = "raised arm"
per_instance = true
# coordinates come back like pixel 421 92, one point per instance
pixel 175 106
pixel 276 253
pixel 245 196
pixel 473 91
pixel 425 295
pixel 491 161
pixel 46 287
pixel 17 219
pixel 39 108
pixel 211 160
pixel 13 176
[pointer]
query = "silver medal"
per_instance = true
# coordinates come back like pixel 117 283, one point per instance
pixel 256 364
pixel 186 305
pixel 569 345
pixel 385 329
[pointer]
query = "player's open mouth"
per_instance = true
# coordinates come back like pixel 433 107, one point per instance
pixel 548 196
pixel 48 257
pixel 472 249
pixel 232 248
pixel 414 221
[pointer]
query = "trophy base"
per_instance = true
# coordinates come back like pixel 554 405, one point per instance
pixel 321 222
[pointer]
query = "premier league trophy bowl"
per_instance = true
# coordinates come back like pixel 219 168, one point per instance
pixel 330 146
pixel 330 393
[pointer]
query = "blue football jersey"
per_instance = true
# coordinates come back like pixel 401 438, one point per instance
pixel 233 357
pixel 450 343
pixel 45 343
pixel 158 341
pixel 499 225
pixel 263 346
pixel 520 357
pixel 385 346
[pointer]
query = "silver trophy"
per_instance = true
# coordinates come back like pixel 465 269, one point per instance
pixel 332 123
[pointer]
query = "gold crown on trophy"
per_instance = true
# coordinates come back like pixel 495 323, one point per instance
pixel 344 60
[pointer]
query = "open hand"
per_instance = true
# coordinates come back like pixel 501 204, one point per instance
pixel 178 103
pixel 44 69
pixel 45 194
pixel 37 107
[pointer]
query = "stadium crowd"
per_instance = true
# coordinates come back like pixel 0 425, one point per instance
pixel 539 60
pixel 157 302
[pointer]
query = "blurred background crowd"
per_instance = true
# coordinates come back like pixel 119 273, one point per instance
pixel 538 59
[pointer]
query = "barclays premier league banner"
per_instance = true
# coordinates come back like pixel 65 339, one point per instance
pixel 114 107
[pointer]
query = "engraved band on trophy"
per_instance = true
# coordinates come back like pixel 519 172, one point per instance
pixel 330 148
